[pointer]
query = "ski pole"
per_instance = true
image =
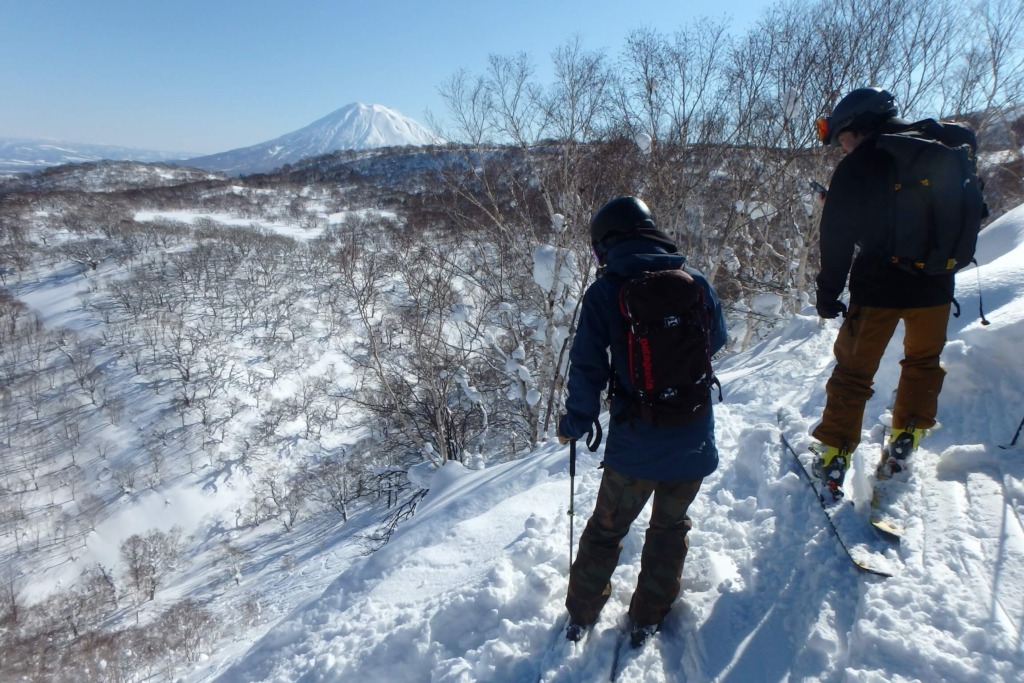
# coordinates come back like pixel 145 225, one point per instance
pixel 572 495
pixel 981 308
pixel 1015 436
pixel 593 442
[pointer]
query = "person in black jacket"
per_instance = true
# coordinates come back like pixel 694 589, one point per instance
pixel 854 221
pixel 640 459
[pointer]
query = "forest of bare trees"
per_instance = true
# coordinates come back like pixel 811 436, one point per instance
pixel 714 130
pixel 309 369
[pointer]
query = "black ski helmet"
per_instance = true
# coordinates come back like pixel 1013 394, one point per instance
pixel 863 110
pixel 623 218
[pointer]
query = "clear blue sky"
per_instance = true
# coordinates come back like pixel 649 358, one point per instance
pixel 206 76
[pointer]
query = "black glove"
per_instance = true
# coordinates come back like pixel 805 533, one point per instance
pixel 830 309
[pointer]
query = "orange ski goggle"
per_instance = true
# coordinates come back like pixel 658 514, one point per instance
pixel 821 128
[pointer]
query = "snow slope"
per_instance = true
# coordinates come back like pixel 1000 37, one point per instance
pixel 471 589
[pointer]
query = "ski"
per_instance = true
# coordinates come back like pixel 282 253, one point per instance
pixel 862 565
pixel 888 529
pixel 883 523
pixel 629 649
pixel 885 493
pixel 560 651
pixel 882 493
pixel 622 642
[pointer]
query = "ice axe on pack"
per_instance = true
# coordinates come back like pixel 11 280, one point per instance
pixel 593 441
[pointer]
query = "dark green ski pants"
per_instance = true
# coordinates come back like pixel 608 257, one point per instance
pixel 619 501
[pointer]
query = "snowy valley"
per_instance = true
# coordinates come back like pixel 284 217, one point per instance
pixel 200 486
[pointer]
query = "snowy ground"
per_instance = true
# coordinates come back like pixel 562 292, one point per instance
pixel 287 229
pixel 471 589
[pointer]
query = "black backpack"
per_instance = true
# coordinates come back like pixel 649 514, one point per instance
pixel 668 345
pixel 936 207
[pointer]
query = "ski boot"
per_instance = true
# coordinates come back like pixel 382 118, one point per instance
pixel 902 443
pixel 830 467
pixel 638 635
pixel 575 632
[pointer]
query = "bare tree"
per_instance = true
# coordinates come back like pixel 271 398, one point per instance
pixel 150 558
pixel 10 596
pixel 536 195
pixel 283 494
pixel 186 627
pixel 332 483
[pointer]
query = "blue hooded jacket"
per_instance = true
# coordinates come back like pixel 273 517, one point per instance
pixel 634 447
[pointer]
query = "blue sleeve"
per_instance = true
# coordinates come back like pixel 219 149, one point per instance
pixel 718 332
pixel 589 365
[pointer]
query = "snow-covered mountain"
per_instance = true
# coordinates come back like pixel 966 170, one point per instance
pixel 353 127
pixel 28 155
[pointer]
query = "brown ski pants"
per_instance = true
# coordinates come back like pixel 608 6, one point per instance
pixel 859 346
pixel 619 501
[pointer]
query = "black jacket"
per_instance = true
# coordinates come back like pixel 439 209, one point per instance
pixel 855 215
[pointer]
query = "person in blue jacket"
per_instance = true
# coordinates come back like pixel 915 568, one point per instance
pixel 639 459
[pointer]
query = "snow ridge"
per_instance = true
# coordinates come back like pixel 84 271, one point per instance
pixel 28 155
